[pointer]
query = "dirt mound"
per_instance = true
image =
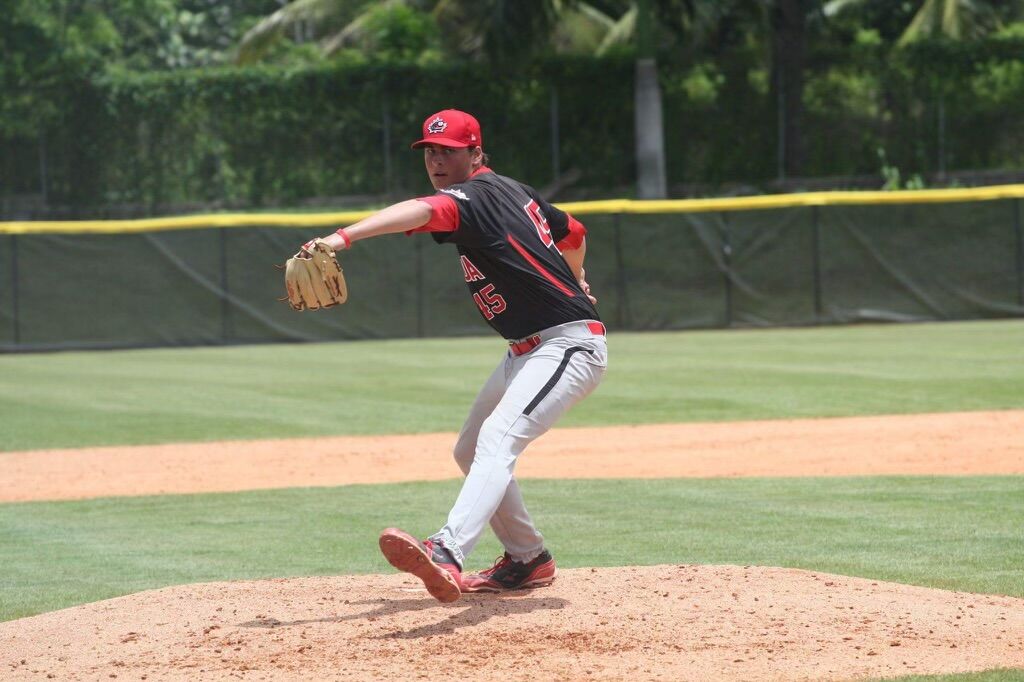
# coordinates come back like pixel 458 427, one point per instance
pixel 639 623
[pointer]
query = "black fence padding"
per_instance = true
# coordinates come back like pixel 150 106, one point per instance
pixel 919 262
pixel 8 275
pixel 754 268
pixel 769 259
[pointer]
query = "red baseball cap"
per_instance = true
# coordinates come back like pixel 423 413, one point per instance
pixel 451 128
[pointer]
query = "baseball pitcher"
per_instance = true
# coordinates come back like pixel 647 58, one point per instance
pixel 522 261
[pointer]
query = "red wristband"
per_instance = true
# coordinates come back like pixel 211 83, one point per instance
pixel 348 242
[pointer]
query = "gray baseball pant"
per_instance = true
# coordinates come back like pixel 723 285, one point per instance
pixel 522 399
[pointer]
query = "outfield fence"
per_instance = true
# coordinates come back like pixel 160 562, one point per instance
pixel 798 259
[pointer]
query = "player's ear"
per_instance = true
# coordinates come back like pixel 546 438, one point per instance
pixel 476 154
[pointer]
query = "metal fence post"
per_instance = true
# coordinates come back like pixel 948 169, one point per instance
pixel 556 163
pixel 622 312
pixel 386 141
pixel 816 263
pixel 225 308
pixel 780 131
pixel 420 298
pixel 14 289
pixel 1020 252
pixel 727 263
pixel 43 181
pixel 942 135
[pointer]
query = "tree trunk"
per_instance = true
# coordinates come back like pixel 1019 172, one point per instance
pixel 788 55
pixel 650 136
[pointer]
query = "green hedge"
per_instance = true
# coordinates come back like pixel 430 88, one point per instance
pixel 268 136
pixel 264 136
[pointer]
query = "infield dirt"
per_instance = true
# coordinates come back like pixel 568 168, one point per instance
pixel 675 622
pixel 963 443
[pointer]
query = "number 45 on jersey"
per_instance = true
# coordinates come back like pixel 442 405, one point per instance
pixel 489 302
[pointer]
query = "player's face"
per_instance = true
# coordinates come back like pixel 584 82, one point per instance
pixel 448 165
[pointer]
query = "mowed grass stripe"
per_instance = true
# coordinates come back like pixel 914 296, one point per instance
pixel 1001 675
pixel 946 532
pixel 413 386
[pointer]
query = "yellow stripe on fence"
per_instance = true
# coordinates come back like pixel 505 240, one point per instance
pixel 184 223
pixel 923 196
pixel 611 206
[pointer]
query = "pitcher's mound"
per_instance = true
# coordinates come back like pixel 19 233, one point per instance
pixel 636 623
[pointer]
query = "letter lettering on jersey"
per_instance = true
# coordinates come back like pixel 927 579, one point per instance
pixel 540 222
pixel 469 271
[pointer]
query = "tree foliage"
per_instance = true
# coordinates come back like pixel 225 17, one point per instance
pixel 827 82
pixel 48 45
pixel 53 46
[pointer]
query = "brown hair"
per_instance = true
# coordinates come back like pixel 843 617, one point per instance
pixel 485 159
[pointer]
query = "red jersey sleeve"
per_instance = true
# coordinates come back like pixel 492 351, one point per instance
pixel 444 214
pixel 575 237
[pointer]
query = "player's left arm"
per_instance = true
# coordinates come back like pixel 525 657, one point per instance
pixel 569 235
pixel 574 259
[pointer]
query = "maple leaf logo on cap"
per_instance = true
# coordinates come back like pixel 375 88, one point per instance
pixel 437 126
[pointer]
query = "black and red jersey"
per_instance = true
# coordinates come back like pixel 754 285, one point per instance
pixel 508 240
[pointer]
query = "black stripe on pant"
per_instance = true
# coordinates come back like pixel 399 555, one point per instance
pixel 554 377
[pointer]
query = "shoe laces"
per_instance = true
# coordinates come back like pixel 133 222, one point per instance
pixel 499 564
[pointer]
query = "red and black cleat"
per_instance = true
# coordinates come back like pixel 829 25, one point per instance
pixel 507 574
pixel 427 560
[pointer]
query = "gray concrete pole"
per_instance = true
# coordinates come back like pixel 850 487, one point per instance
pixel 650 136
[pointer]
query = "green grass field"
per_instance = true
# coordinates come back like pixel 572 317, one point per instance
pixel 410 386
pixel 987 676
pixel 960 533
pixel 956 533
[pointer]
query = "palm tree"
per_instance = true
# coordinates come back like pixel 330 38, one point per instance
pixel 954 19
pixel 307 20
pixel 476 27
pixel 500 30
pixel 586 29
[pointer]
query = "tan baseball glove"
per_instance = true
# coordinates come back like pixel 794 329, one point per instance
pixel 313 278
